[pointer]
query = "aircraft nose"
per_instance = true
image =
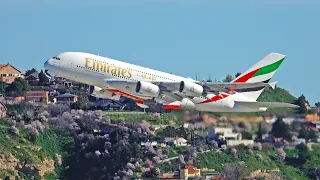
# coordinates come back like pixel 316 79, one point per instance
pixel 48 64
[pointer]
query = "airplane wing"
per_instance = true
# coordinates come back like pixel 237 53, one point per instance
pixel 266 104
pixel 173 87
pixel 226 87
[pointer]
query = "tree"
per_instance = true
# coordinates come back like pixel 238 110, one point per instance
pixel 281 154
pixel 2 87
pixel 18 87
pixel 136 150
pixel 152 174
pixel 238 74
pixel 234 171
pixel 246 135
pixel 303 133
pixel 209 79
pixel 303 152
pixel 259 134
pixel 281 129
pixel 296 126
pixel 303 103
pixel 43 79
pixel 114 137
pixel 83 101
pixel 169 131
pixel 228 78
pixel 317 104
pixel 264 128
pixel 30 71
pixel 307 134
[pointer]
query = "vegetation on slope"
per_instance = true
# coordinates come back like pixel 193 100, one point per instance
pixel 48 144
pixel 299 163
pixel 276 95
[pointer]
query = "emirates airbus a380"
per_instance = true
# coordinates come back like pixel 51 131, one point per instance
pixel 111 79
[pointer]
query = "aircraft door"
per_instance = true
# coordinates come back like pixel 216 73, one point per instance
pixel 69 64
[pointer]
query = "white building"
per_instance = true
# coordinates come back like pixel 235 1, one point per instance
pixel 238 142
pixel 177 141
pixel 154 144
pixel 226 133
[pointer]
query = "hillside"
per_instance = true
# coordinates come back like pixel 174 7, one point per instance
pixel 27 158
pixel 262 162
pixel 278 95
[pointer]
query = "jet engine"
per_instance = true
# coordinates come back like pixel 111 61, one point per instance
pixel 102 93
pixel 147 89
pixel 187 104
pixel 190 89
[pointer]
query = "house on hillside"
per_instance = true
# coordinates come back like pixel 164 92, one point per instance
pixel 13 100
pixel 3 110
pixel 107 104
pixel 227 134
pixel 37 96
pixel 33 79
pixel 176 141
pixel 9 73
pixel 187 172
pixel 144 145
pixel 66 98
pixel 234 142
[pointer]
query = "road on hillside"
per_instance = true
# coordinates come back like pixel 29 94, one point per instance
pixel 121 112
pixel 173 158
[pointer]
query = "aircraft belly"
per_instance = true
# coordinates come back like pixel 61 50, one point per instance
pixel 128 94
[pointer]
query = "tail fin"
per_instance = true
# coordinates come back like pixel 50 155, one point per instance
pixel 260 72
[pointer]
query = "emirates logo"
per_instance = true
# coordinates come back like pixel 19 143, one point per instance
pixel 192 89
pixel 149 89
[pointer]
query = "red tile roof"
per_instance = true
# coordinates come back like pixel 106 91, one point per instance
pixel 4 65
pixel 191 169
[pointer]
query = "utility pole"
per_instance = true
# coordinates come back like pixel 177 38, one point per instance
pixel 198 76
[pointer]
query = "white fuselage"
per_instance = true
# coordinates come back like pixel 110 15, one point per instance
pixel 94 70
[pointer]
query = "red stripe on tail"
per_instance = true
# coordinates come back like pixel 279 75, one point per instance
pixel 247 76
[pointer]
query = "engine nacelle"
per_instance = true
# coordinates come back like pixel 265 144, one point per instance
pixel 147 89
pixel 164 99
pixel 187 104
pixel 190 89
pixel 101 93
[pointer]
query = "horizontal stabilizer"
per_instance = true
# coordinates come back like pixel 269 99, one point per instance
pixel 266 104
pixel 273 85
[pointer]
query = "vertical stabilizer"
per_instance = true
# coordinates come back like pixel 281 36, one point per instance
pixel 260 72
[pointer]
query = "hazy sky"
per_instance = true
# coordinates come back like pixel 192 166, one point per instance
pixel 211 38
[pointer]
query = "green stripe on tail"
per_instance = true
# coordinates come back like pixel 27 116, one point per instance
pixel 269 68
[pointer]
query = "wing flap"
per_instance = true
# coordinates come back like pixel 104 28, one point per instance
pixel 266 104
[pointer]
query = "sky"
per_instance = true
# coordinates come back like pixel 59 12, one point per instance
pixel 184 37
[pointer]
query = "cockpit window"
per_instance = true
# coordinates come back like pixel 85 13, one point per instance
pixel 56 58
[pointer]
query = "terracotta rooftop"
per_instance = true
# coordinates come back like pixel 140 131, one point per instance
pixel 191 169
pixel 4 65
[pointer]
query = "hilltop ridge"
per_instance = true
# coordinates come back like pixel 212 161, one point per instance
pixel 277 95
